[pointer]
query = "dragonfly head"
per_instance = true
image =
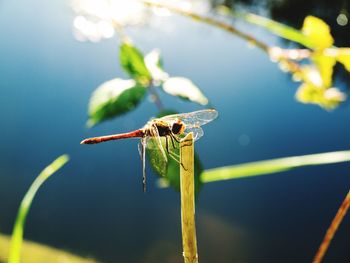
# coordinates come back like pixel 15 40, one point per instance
pixel 178 127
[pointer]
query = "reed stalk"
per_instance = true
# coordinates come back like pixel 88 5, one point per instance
pixel 189 240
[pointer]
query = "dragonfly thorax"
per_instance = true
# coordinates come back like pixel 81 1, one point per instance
pixel 164 128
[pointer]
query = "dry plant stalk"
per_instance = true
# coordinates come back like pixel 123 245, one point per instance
pixel 189 240
pixel 332 229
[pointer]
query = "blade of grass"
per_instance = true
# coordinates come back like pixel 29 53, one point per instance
pixel 272 166
pixel 332 229
pixel 17 234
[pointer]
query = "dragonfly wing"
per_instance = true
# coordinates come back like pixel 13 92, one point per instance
pixel 195 118
pixel 140 148
pixel 197 132
pixel 142 151
pixel 156 152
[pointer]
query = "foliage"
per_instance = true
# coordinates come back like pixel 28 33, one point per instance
pixel 132 61
pixel 113 98
pixel 17 234
pixel 147 74
pixel 313 66
pixel 118 96
pixel 317 75
pixel 184 88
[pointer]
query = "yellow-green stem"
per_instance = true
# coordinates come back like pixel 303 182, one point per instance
pixel 188 224
pixel 17 234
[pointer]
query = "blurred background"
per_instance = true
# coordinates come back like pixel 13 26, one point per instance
pixel 95 206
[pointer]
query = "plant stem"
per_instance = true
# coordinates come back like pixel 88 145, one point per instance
pixel 210 21
pixel 189 240
pixel 156 99
pixel 119 28
pixel 290 65
pixel 332 229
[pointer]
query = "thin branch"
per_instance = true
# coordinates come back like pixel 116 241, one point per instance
pixel 332 229
pixel 156 99
pixel 119 28
pixel 290 65
pixel 210 21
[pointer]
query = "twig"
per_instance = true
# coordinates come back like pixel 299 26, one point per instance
pixel 156 99
pixel 332 229
pixel 119 28
pixel 210 21
pixel 189 239
pixel 290 65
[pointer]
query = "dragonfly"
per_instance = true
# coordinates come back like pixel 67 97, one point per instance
pixel 160 135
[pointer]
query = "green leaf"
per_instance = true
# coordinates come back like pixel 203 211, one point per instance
pixel 170 174
pixel 17 234
pixel 185 89
pixel 318 32
pixel 154 65
pixel 272 166
pixel 114 98
pixel 132 61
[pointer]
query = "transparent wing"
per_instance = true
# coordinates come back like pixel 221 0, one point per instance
pixel 197 132
pixel 195 118
pixel 156 152
pixel 142 152
pixel 140 147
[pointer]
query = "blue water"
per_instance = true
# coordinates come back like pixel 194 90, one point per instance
pixel 95 205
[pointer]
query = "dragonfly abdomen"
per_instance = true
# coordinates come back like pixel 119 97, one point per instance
pixel 134 134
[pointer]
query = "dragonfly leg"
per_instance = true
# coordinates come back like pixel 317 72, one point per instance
pixel 175 158
pixel 143 158
pixel 173 155
pixel 188 143
pixel 168 150
pixel 172 140
pixel 173 137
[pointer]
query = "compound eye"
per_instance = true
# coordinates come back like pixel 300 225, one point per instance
pixel 176 128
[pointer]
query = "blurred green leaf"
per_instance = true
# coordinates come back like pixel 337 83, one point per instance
pixel 171 177
pixel 272 166
pixel 318 32
pixel 154 65
pixel 17 234
pixel 185 89
pixel 170 174
pixel 132 61
pixel 155 155
pixel 114 98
